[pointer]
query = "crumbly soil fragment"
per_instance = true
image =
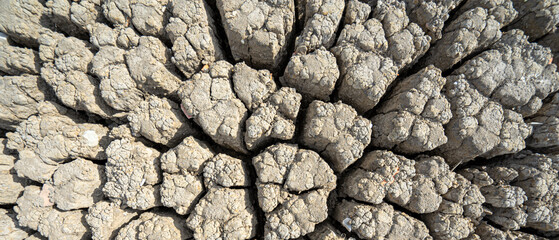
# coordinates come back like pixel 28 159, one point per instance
pixel 252 86
pixel 77 184
pixel 486 231
pixel 431 15
pixel 102 35
pixel 314 75
pixel 226 171
pixel 322 18
pixel 192 30
pixel 412 117
pixel 10 227
pixel 23 21
pixel 21 98
pixel 491 93
pixel 133 174
pixel 18 61
pixel 379 221
pixel 106 218
pixel 182 174
pixel 371 53
pixel 11 185
pixel 479 126
pixel 520 191
pixel 417 185
pixel 514 72
pixel 356 12
pixel 337 131
pixel 258 31
pixel 149 17
pixel 459 212
pixel 293 187
pixel 224 213
pixel 472 31
pixel 275 119
pixel 160 120
pixel 44 141
pixel 211 188
pixel 208 97
pixel 326 231
pixel 155 225
pixel 150 66
pixel 503 11
pixel 59 13
pixel 35 210
pixel 65 69
pixel 545 124
pixel 536 18
pixel 118 89
pixel 86 13
pixel 227 209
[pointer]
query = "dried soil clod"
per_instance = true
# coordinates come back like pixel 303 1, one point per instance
pixel 133 174
pixel 258 31
pixel 160 120
pixel 150 225
pixel 411 119
pixel 293 187
pixel 379 221
pixel 208 97
pixel 337 131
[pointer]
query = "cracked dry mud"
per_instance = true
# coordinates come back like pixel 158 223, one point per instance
pixel 279 119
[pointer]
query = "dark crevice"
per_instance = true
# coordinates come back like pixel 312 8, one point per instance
pixel 338 226
pixel 334 95
pixel 157 146
pixel 357 201
pixel 15 43
pixel 375 110
pixel 540 38
pixel 290 48
pixel 340 27
pixel 3 132
pixel 512 24
pixel 8 207
pixel 235 187
pixel 395 206
pixel 454 14
pixel 525 230
pixel 254 201
pixel 175 70
pixel 536 232
pixel 404 210
pixel 327 160
pixel 101 162
pixel 215 16
pixel 467 58
pixel 51 22
pixel 300 123
pixel 270 143
pixel 422 62
pixel 299 193
pixel 544 150
pixel 481 161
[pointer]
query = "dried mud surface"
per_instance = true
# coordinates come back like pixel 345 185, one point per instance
pixel 279 119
